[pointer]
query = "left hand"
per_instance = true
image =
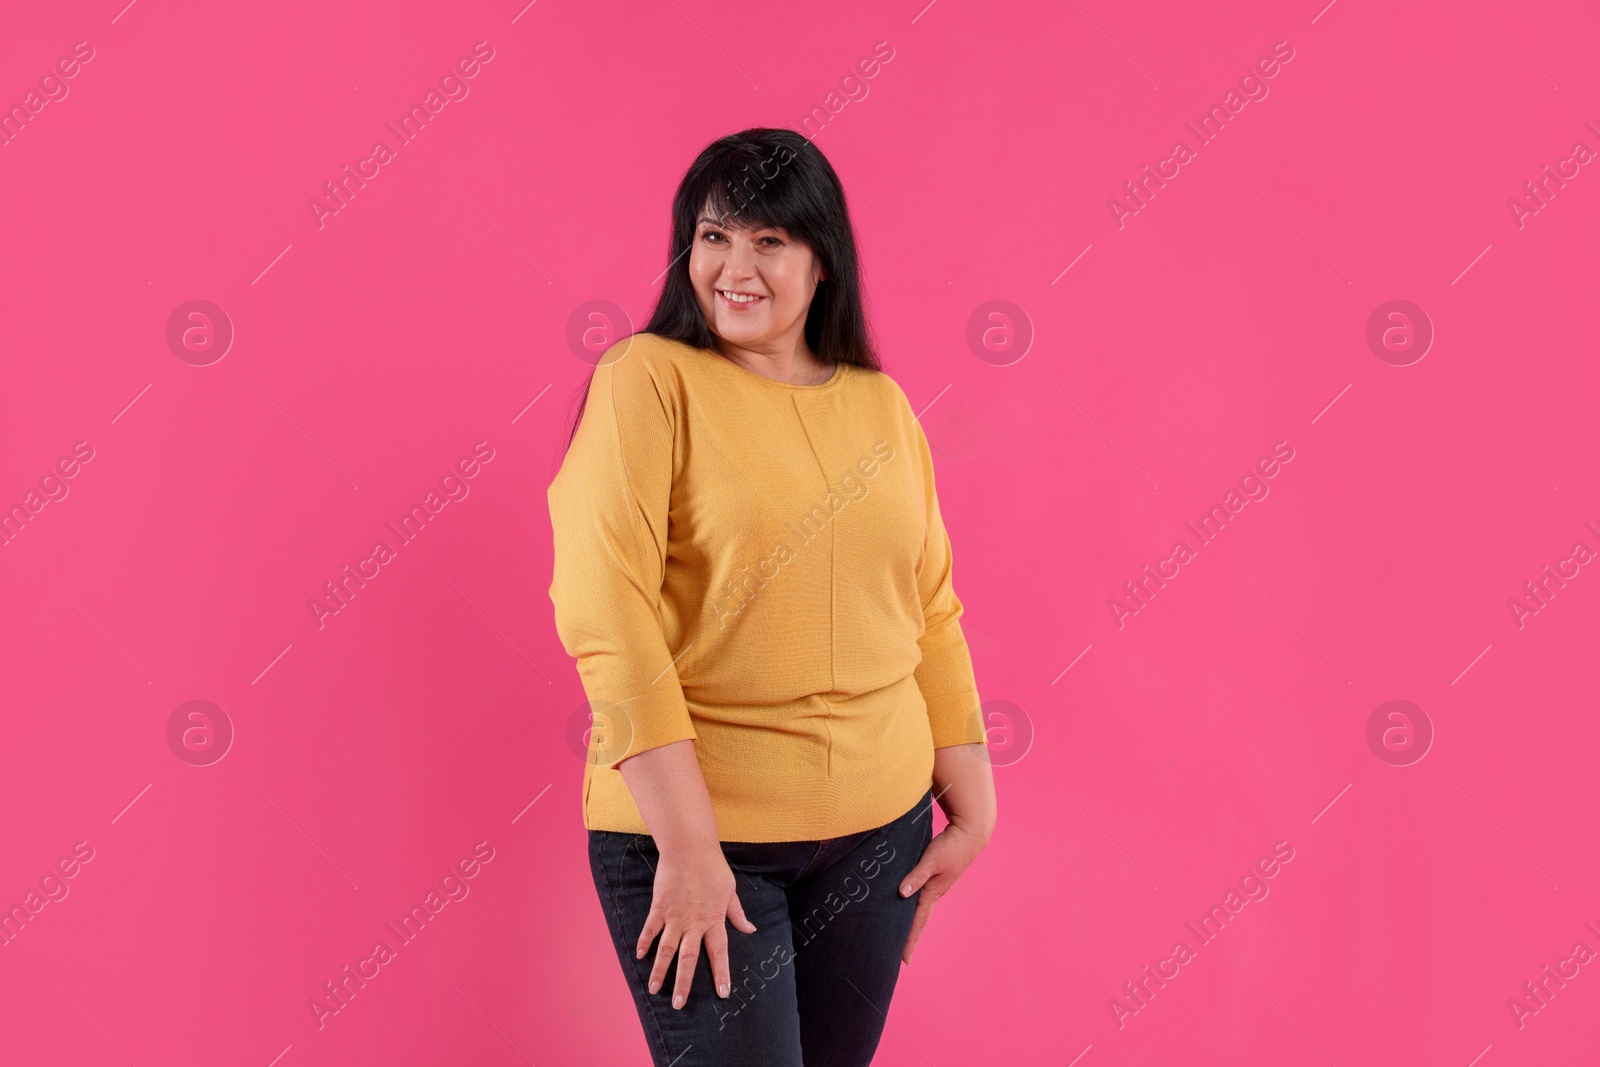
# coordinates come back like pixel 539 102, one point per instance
pixel 946 857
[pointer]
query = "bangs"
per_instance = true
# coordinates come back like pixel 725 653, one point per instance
pixel 736 188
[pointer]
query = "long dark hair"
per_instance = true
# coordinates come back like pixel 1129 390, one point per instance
pixel 766 177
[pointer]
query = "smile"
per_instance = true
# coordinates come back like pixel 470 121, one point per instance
pixel 739 300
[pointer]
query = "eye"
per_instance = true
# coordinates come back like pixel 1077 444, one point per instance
pixel 711 235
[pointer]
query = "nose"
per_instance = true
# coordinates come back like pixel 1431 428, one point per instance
pixel 740 263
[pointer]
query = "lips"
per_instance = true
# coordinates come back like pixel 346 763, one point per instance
pixel 729 302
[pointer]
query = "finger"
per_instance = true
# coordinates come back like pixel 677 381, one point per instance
pixel 716 941
pixel 918 921
pixel 665 950
pixel 652 926
pixel 688 956
pixel 736 913
pixel 925 869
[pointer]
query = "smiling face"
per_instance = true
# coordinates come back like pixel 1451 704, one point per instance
pixel 754 286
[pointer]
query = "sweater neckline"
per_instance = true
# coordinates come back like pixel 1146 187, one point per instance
pixel 839 371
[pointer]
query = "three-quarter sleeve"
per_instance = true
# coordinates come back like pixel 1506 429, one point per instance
pixel 945 675
pixel 608 513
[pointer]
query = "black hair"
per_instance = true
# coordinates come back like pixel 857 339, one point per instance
pixel 757 178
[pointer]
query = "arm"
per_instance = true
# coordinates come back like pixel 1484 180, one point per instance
pixel 963 777
pixel 671 793
pixel 945 675
pixel 694 889
pixel 963 783
pixel 608 513
pixel 608 510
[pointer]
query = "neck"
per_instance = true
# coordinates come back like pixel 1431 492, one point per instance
pixel 793 363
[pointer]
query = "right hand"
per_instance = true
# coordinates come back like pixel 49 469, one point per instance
pixel 692 896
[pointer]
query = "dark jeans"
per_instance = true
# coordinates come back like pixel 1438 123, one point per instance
pixel 812 985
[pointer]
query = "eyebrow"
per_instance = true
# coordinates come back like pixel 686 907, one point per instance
pixel 724 225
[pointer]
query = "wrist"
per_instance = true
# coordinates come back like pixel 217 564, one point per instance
pixel 693 848
pixel 981 829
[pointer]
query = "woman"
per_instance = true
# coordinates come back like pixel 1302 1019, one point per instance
pixel 752 573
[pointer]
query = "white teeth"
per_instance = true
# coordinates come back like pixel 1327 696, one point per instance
pixel 738 298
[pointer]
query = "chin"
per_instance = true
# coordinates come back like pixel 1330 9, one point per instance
pixel 737 334
pixel 736 327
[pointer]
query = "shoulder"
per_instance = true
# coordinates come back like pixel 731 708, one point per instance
pixel 878 384
pixel 643 366
pixel 884 396
pixel 643 353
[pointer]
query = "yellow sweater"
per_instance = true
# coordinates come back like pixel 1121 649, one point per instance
pixel 761 567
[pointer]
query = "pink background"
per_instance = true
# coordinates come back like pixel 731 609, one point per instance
pixel 427 715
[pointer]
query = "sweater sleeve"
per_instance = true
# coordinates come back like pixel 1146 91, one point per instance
pixel 608 513
pixel 945 674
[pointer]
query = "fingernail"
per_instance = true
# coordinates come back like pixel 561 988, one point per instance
pixel 905 890
pixel 722 990
pixel 677 1000
pixel 654 986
